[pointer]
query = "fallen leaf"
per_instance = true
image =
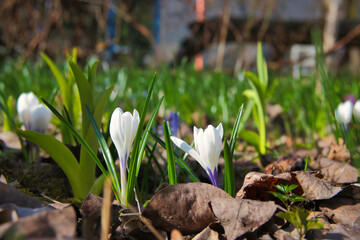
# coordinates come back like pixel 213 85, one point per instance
pixel 334 171
pixel 284 235
pixel 11 140
pixel 274 110
pixel 91 211
pixel 183 206
pixel 240 216
pixel 336 231
pixel 3 179
pixel 315 188
pixel 23 211
pixel 57 224
pixel 9 194
pixel 343 211
pixel 285 164
pixel 339 151
pixel 206 234
pixel 257 185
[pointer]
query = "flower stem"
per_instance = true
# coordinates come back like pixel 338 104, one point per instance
pixel 123 179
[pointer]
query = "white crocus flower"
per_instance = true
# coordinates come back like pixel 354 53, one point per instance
pixel 343 113
pixel 356 111
pixel 207 150
pixel 123 127
pixel 34 115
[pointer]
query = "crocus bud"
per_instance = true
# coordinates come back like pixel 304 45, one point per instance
pixel 40 118
pixel 343 112
pixel 207 151
pixel 32 114
pixel 123 127
pixel 356 111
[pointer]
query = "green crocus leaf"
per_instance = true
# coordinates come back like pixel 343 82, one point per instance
pixel 314 224
pixel 63 157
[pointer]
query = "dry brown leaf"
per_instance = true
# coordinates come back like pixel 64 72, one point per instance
pixel 206 234
pixel 334 171
pixel 256 185
pixel 339 151
pixel 315 188
pixel 343 211
pixel 183 206
pixel 240 216
pixel 57 224
pixel 274 110
pixel 281 234
pixel 337 231
pixel 347 215
pixel 91 210
pixel 285 164
pixel 9 194
pixel 11 140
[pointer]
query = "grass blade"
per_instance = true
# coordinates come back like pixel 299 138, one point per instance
pixel 77 136
pixel 229 174
pixel 235 130
pixel 106 153
pixel 179 160
pixel 146 135
pixel 170 154
pixel 136 151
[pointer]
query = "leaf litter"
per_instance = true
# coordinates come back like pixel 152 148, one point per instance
pixel 201 211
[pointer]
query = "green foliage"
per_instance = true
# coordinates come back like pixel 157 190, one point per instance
pixel 256 103
pixel 70 98
pixel 170 154
pixel 286 196
pixel 63 157
pixel 89 144
pixel 183 165
pixel 139 144
pixel 295 215
pixel 229 173
pixel 298 218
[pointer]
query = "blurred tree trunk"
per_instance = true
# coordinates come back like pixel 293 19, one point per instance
pixel 334 13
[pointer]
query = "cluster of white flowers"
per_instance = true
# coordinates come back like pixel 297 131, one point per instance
pixel 346 110
pixel 33 115
pixel 208 144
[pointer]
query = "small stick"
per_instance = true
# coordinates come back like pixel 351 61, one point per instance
pixel 106 210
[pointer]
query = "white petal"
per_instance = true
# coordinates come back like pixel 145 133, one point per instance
pixel 25 103
pixel 343 112
pixel 197 134
pixel 213 142
pixel 203 147
pixel 40 118
pixel 136 115
pixel 185 147
pixel 115 131
pixel 220 130
pixel 356 111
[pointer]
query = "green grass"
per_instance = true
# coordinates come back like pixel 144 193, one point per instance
pixel 214 96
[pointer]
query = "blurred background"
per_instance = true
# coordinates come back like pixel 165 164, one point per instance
pixel 200 50
pixel 210 33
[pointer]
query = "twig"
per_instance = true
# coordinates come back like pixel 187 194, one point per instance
pixel 106 210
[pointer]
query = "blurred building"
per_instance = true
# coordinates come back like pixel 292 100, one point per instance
pixel 277 23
